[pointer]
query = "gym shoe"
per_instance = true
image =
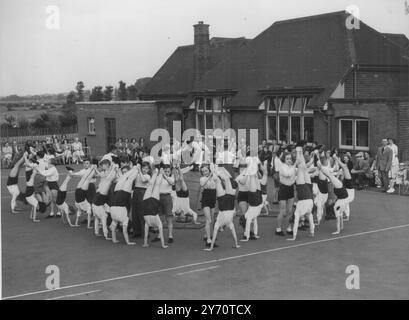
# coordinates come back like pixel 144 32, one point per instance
pixel 280 233
pixel 391 190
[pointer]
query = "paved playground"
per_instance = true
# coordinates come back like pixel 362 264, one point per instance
pixel 376 240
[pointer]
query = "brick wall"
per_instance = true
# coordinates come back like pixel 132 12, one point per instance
pixel 132 121
pixel 249 120
pixel 320 129
pixel 377 84
pixel 383 119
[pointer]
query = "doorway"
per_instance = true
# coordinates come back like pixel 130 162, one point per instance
pixel 110 132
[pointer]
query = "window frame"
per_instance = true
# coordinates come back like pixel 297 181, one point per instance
pixel 277 113
pixel 354 145
pixel 206 112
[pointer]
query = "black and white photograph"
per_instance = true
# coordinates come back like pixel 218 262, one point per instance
pixel 203 154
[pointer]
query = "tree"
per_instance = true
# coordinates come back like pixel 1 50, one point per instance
pixel 122 94
pixel 71 98
pixel 10 120
pixel 96 94
pixel 132 92
pixel 80 91
pixel 141 82
pixel 108 93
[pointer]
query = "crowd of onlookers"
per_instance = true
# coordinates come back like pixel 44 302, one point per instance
pixel 380 170
pixel 63 149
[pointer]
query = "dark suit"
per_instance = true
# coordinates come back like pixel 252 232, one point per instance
pixel 383 164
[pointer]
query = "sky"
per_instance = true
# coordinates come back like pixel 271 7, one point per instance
pixel 101 42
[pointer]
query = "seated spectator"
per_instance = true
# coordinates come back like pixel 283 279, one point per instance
pixel 7 155
pixel 77 153
pixel 67 153
pixel 361 172
pixel 59 151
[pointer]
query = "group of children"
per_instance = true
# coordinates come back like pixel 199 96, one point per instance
pixel 150 192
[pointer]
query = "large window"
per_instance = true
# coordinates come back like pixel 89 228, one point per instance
pixel 289 119
pixel 354 134
pixel 308 129
pixel 210 113
pixel 295 128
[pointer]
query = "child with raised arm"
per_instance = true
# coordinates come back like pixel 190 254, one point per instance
pixel 208 201
pixel 151 207
pixel 121 201
pixel 181 202
pixel 31 199
pixel 305 202
pixel 349 186
pixel 255 203
pixel 60 201
pixel 341 194
pixel 12 184
pixel 101 197
pixel 81 202
pixel 226 201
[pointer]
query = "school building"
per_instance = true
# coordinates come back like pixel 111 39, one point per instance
pixel 314 78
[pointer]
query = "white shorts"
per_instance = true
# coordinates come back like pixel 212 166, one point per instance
pixel 13 189
pixel 351 195
pixel 119 215
pixel 181 204
pixel 153 221
pixel 303 207
pixel 340 207
pixel 32 200
pixel 99 212
pixel 253 212
pixel 83 206
pixel 224 218
pixel 64 207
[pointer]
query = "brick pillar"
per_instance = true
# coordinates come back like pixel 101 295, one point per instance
pixel 403 130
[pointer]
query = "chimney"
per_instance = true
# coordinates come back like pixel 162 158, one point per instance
pixel 201 51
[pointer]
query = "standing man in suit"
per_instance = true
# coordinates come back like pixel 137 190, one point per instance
pixel 384 162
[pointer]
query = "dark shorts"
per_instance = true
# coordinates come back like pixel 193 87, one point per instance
pixel 182 194
pixel 61 196
pixel 28 174
pixel 53 185
pixel 166 204
pixel 121 199
pixel 263 188
pixel 100 199
pixel 29 191
pixel 341 193
pixel 80 195
pixel 323 186
pixel 285 192
pixel 208 198
pixel 226 202
pixel 243 196
pixel 304 191
pixel 11 181
pixel 255 198
pixel 150 207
